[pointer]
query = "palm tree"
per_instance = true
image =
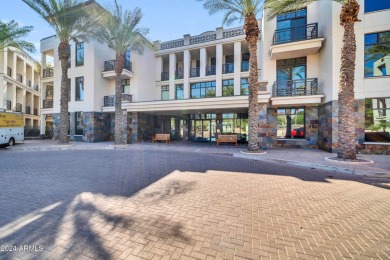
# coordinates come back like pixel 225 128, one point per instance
pixel 348 18
pixel 244 10
pixel 120 30
pixel 71 22
pixel 11 35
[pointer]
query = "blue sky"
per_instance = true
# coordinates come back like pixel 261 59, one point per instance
pixel 167 20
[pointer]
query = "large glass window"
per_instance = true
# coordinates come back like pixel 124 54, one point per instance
pixel 79 88
pixel 79 130
pixel 125 86
pixel 377 54
pixel 287 21
pixel 179 91
pixel 80 54
pixel 165 93
pixel 291 75
pixel 291 123
pixel 228 87
pixel 203 89
pixel 244 88
pixel 378 120
pixel 376 5
pixel 233 123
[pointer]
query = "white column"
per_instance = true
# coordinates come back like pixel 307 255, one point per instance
pixel 237 67
pixel 172 70
pixel 43 125
pixel 186 76
pixel 43 56
pixel 203 62
pixel 14 95
pixel 32 103
pixel 24 100
pixel 15 67
pixel 218 64
pixel 159 64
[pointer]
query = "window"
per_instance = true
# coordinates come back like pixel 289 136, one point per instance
pixel 291 76
pixel 285 24
pixel 79 89
pixel 377 54
pixel 80 54
pixel 165 93
pixel 125 86
pixel 228 87
pixel 233 123
pixel 79 130
pixel 376 5
pixel 203 89
pixel 377 120
pixel 244 88
pixel 69 90
pixel 291 123
pixel 179 92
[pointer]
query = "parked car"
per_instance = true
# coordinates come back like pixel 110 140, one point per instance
pixel 298 132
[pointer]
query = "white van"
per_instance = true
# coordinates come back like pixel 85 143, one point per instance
pixel 11 128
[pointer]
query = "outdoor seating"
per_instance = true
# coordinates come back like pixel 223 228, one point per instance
pixel 226 139
pixel 162 137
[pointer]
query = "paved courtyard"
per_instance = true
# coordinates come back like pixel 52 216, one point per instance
pixel 160 204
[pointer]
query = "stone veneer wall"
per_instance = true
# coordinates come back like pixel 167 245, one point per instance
pixel 383 149
pixel 328 125
pixel 267 126
pixel 97 127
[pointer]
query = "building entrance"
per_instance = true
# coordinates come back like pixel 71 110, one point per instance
pixel 203 127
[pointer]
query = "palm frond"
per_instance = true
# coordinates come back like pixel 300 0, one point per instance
pixel 11 35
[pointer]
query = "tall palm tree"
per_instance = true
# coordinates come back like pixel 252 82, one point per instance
pixel 11 35
pixel 346 95
pixel 71 22
pixel 244 10
pixel 120 30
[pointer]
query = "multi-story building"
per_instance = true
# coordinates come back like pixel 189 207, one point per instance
pixel 19 87
pixel 196 87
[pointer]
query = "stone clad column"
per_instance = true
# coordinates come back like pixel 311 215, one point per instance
pixel 218 64
pixel 186 76
pixel 203 62
pixel 237 68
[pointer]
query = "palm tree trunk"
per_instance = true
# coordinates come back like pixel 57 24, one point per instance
pixel 119 63
pixel 346 131
pixel 252 34
pixel 64 53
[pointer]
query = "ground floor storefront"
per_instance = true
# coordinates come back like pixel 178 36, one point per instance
pixel 297 126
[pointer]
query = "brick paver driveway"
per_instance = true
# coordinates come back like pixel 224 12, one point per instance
pixel 178 205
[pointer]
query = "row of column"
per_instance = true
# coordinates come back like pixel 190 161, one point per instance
pixel 19 67
pixel 19 95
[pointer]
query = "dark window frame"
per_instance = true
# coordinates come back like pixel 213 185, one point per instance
pixel 163 90
pixel 244 83
pixel 203 85
pixel 80 47
pixel 377 42
pixel 179 87
pixel 304 121
pixel 77 90
pixel 230 83
pixel 373 9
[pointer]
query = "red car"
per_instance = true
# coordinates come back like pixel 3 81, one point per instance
pixel 298 132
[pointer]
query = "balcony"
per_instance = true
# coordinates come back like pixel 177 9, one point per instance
pixel 109 101
pixel 164 76
pixel 48 73
pixel 9 71
pixel 47 103
pixel 227 68
pixel 35 111
pixel 35 87
pixel 194 72
pixel 19 107
pixel 28 110
pixel 211 70
pixel 296 42
pixel 244 66
pixel 28 83
pixel 109 70
pixel 19 78
pixel 179 74
pixel 295 92
pixel 9 105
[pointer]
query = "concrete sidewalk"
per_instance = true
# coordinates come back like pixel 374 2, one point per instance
pixel 308 158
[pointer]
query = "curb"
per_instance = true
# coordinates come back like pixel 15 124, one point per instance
pixel 317 166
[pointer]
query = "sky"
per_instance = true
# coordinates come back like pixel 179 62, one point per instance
pixel 167 20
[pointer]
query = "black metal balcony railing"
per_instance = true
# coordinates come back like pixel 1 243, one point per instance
pixel 47 103
pixel 179 74
pixel 19 78
pixel 301 87
pixel 111 64
pixel 245 66
pixel 306 32
pixel 32 131
pixel 19 107
pixel 227 68
pixel 28 83
pixel 9 105
pixel 194 72
pixel 28 110
pixel 109 101
pixel 35 111
pixel 211 70
pixel 9 71
pixel 48 72
pixel 35 87
pixel 164 76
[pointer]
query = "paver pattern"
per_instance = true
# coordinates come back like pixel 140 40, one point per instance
pixel 179 205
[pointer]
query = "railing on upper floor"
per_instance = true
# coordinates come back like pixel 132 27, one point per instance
pixel 205 37
pixel 48 103
pixel 48 73
pixel 301 87
pixel 28 83
pixel 9 71
pixel 35 111
pixel 35 87
pixel 109 101
pixel 179 74
pixel 28 110
pixel 164 76
pixel 227 68
pixel 111 65
pixel 194 72
pixel 9 105
pixel 211 70
pixel 19 107
pixel 245 66
pixel 19 78
pixel 299 33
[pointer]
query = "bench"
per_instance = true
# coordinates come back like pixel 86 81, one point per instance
pixel 162 137
pixel 226 139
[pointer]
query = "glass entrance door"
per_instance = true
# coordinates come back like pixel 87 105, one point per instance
pixel 203 130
